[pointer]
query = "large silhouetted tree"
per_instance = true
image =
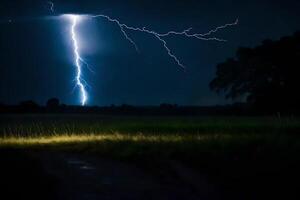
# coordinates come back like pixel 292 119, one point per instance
pixel 267 75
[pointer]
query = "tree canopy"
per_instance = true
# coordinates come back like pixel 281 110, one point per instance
pixel 266 75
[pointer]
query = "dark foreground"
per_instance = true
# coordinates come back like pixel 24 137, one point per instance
pixel 44 175
pixel 69 176
pixel 80 157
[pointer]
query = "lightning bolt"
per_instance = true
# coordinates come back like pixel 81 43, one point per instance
pixel 80 62
pixel 80 82
pixel 160 36
pixel 187 33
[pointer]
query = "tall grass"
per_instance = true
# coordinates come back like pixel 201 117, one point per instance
pixel 37 125
pixel 151 136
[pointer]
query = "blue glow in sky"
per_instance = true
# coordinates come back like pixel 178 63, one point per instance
pixel 38 57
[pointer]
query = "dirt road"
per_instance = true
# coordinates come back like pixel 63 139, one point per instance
pixel 83 177
pixel 67 176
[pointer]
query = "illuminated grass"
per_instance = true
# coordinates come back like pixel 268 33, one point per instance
pixel 86 138
pixel 136 145
pixel 124 145
pixel 151 136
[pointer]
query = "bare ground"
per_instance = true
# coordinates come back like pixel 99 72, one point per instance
pixel 86 177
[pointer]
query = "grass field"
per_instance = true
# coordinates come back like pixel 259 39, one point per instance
pixel 134 136
pixel 237 153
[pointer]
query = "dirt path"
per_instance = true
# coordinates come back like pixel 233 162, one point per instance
pixel 89 178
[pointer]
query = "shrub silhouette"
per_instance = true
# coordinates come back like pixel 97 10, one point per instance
pixel 53 103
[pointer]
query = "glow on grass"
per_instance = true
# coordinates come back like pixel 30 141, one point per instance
pixel 93 138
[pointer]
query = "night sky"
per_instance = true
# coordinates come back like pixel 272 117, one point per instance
pixel 37 60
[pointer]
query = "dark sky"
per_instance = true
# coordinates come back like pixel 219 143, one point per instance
pixel 37 61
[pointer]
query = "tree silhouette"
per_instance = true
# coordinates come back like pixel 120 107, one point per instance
pixel 266 75
pixel 53 103
pixel 29 104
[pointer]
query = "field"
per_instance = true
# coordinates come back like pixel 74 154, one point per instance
pixel 243 157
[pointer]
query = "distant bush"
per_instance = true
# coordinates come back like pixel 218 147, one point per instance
pixel 29 104
pixel 53 103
